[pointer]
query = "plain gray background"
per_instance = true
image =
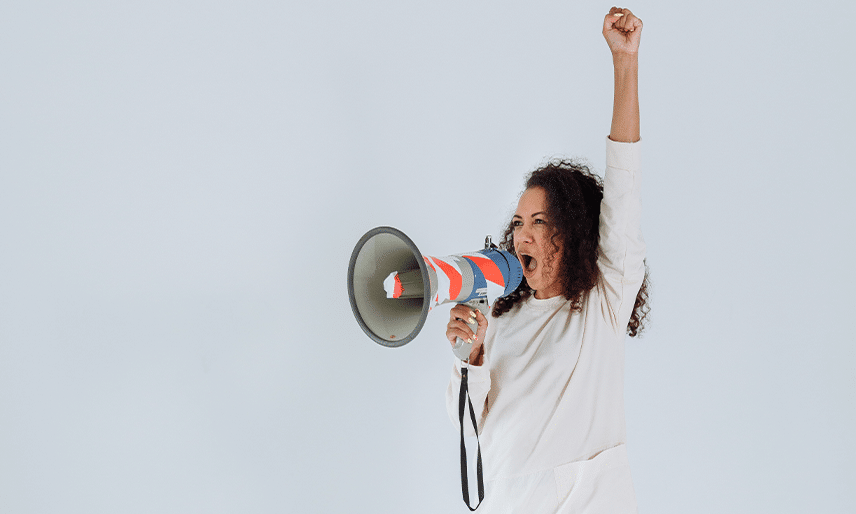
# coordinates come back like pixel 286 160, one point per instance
pixel 181 185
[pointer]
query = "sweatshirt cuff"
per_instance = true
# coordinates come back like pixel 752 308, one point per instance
pixel 623 156
pixel 475 373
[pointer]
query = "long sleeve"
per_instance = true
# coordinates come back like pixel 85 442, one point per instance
pixel 478 382
pixel 622 249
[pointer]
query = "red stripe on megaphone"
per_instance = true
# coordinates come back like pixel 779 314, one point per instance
pixel 455 279
pixel 488 268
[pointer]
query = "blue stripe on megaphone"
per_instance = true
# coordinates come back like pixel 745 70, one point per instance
pixel 479 282
pixel 510 267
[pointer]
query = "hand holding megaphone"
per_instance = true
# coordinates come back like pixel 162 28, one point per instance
pixel 467 325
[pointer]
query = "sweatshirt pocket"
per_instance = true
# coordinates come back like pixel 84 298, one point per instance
pixel 599 484
pixel 566 477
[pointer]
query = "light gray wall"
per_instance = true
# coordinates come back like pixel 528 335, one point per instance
pixel 181 185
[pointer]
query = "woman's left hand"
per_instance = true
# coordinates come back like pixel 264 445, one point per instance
pixel 622 32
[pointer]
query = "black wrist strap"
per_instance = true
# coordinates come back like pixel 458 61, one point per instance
pixel 464 395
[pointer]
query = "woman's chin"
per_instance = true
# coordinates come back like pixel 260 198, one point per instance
pixel 532 280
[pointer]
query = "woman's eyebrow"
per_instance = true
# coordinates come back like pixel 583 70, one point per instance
pixel 531 215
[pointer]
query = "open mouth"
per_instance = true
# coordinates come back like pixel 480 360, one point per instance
pixel 529 262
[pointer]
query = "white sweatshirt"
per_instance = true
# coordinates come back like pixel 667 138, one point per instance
pixel 549 395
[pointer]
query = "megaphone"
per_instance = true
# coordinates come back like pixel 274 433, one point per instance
pixel 392 287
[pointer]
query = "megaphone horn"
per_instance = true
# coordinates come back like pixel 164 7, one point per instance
pixel 392 286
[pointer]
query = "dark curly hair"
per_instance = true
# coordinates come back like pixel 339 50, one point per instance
pixel 573 194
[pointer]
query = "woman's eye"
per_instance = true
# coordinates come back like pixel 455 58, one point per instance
pixel 540 221
pixel 516 224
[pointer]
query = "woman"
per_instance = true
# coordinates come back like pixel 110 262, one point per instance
pixel 546 374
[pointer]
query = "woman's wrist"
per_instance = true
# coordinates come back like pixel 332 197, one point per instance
pixel 477 358
pixel 625 61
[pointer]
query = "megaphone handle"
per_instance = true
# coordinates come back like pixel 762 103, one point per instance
pixel 462 348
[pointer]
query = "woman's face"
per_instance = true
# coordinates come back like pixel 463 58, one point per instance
pixel 541 260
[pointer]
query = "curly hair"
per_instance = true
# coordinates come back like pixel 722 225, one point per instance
pixel 573 195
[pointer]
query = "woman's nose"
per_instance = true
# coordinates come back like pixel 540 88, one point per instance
pixel 524 234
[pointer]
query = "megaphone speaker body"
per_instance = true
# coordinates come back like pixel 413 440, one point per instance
pixel 392 287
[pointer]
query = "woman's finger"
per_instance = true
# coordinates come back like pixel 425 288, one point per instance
pixel 482 324
pixel 634 23
pixel 610 19
pixel 461 311
pixel 461 328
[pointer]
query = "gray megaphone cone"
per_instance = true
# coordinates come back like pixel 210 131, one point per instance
pixel 388 321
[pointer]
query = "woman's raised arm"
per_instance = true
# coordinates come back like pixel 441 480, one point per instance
pixel 622 30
